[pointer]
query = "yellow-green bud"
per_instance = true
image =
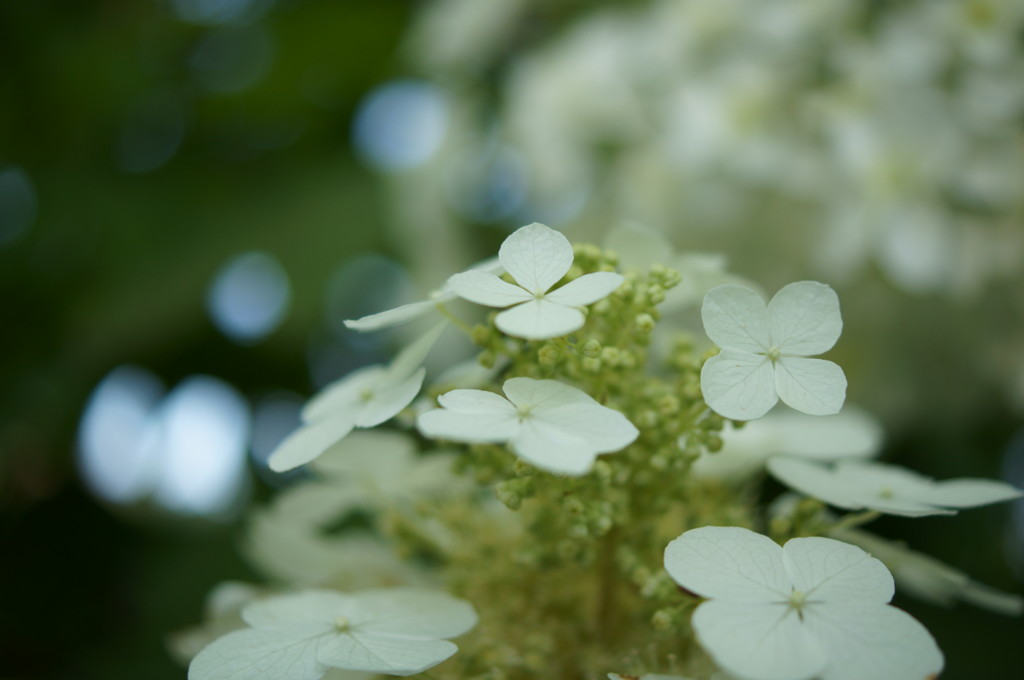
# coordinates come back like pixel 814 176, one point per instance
pixel 591 348
pixel 644 323
pixel 592 364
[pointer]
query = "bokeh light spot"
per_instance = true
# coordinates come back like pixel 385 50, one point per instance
pixel 201 448
pixel 400 124
pixel 249 297
pixel 114 459
pixel 17 204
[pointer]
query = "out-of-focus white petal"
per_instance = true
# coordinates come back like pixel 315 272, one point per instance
pixel 412 356
pixel 804 318
pixel 758 641
pixel 736 318
pixel 968 493
pixel 306 607
pixel 530 394
pixel 485 288
pixel 814 386
pixel 383 653
pixel 363 448
pixel 287 653
pixel 824 569
pixel 855 486
pixel 587 289
pixel 343 394
pixel 411 612
pixel 729 563
pixel 389 400
pixel 739 385
pixel 539 320
pixel 869 640
pixel 536 256
pixel 852 433
pixel 391 317
pixel 309 441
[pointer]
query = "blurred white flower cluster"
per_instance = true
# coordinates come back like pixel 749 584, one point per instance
pixel 856 133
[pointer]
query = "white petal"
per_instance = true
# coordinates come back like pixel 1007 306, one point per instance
pixel 528 393
pixel 968 493
pixel 639 246
pixel 383 653
pixel 739 385
pixel 487 289
pixel 729 563
pixel 261 654
pixel 409 360
pixel 343 395
pixel 736 318
pixel 539 320
pixel 855 486
pixel 603 429
pixel 553 449
pixel 804 318
pixel 587 289
pixel 362 450
pixel 470 416
pixel 306 607
pixel 391 317
pixel 758 641
pixel 829 570
pixel 814 386
pixel 389 400
pixel 309 441
pixel 877 641
pixel 853 433
pixel 536 256
pixel 411 612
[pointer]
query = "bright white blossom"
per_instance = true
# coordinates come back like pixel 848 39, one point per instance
pixel 397 631
pixel 894 490
pixel 546 423
pixel 537 257
pixel 814 608
pixel 765 349
pixel 414 310
pixel 365 398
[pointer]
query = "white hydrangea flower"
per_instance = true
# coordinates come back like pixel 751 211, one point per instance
pixel 414 310
pixel 364 398
pixel 537 257
pixel 894 490
pixel 765 349
pixel 546 423
pixel 301 636
pixel 814 608
pixel 929 579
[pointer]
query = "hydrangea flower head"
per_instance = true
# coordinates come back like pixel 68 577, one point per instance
pixel 765 350
pixel 894 490
pixel 537 257
pixel 300 636
pixel 551 425
pixel 814 608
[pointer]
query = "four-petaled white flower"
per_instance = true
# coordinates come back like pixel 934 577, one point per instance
pixel 765 349
pixel 397 631
pixel 364 398
pixel 815 608
pixel 894 490
pixel 537 257
pixel 546 423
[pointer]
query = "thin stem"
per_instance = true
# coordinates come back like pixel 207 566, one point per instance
pixel 607 586
pixel 456 321
pixel 856 519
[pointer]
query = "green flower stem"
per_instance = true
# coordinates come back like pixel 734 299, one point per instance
pixel 856 519
pixel 456 321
